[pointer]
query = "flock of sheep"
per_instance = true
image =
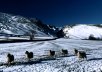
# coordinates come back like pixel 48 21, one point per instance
pixel 29 55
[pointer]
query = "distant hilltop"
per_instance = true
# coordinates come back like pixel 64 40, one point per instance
pixel 83 31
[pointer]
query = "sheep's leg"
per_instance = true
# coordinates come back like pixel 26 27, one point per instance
pixel 12 62
pixel 28 59
pixel 9 63
pixel 85 58
pixel 79 58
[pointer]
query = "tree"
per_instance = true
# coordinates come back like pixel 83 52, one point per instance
pixel 60 34
pixel 91 37
pixel 32 34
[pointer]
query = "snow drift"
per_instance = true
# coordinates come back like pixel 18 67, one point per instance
pixel 83 31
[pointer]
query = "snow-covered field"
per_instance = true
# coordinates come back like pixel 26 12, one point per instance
pixel 61 64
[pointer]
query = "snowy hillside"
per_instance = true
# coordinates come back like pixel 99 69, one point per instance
pixel 71 63
pixel 83 31
pixel 18 25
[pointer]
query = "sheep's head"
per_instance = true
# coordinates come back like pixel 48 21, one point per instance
pixel 8 55
pixel 50 51
pixel 26 52
pixel 74 49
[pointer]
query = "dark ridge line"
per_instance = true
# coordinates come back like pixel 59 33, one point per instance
pixel 18 41
pixel 93 39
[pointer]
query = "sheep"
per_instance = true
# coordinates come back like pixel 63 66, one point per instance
pixel 75 51
pixel 64 52
pixel 29 55
pixel 10 58
pixel 81 54
pixel 52 53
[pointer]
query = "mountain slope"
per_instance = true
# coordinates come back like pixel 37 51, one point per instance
pixel 18 25
pixel 48 29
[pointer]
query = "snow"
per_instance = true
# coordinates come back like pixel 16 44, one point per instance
pixel 14 24
pixel 70 63
pixel 24 38
pixel 6 31
pixel 83 31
